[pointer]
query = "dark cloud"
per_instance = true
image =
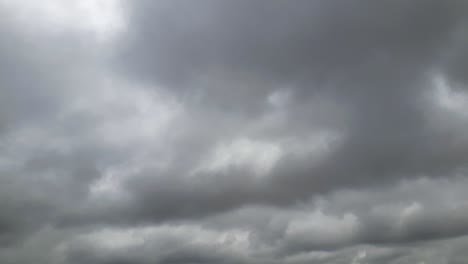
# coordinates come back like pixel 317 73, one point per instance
pixel 225 131
pixel 372 73
pixel 282 41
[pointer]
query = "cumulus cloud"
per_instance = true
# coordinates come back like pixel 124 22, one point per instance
pixel 233 131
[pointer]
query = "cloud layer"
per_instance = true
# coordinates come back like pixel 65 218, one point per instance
pixel 222 131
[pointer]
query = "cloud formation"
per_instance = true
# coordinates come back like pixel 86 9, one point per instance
pixel 222 131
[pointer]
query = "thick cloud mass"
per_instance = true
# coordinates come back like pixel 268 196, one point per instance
pixel 233 131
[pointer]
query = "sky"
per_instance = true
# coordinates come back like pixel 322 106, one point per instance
pixel 233 132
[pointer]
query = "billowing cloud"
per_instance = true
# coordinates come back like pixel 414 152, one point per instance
pixel 226 131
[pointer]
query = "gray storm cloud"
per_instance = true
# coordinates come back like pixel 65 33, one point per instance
pixel 225 131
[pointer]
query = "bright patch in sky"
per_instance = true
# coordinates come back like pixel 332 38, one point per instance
pixel 257 156
pixel 102 18
pixel 449 98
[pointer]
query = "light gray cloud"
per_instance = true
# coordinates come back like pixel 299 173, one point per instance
pixel 222 131
pixel 372 97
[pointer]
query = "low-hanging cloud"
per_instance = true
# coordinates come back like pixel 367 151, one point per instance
pixel 225 131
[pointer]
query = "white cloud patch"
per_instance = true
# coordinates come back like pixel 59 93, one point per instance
pixel 257 156
pixel 449 98
pixel 157 242
pixel 102 18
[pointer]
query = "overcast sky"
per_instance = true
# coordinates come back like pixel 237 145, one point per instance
pixel 233 131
